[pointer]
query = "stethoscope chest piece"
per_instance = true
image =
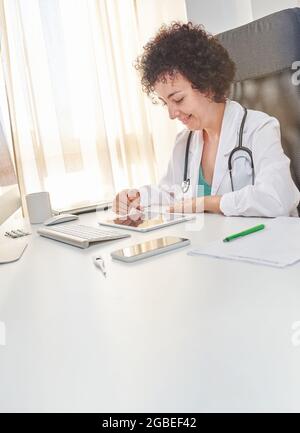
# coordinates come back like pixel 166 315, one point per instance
pixel 185 185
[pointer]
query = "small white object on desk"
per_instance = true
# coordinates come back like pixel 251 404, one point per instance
pixel 61 218
pixel 16 233
pixel 38 206
pixel 11 251
pixel 99 262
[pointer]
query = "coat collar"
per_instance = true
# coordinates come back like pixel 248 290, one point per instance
pixel 232 118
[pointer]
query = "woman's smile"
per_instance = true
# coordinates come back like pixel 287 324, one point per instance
pixel 185 119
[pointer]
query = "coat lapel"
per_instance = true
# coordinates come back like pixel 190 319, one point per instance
pixel 228 140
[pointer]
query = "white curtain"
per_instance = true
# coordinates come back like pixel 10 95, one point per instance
pixel 82 127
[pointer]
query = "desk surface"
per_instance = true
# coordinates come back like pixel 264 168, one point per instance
pixel 173 333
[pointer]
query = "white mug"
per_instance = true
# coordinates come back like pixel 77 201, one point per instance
pixel 39 207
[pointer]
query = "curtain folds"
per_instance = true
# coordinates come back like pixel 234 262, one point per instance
pixel 82 127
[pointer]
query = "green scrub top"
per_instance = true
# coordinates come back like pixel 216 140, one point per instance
pixel 206 188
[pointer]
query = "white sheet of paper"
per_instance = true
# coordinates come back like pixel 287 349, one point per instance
pixel 276 245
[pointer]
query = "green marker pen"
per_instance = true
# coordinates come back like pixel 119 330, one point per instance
pixel 244 233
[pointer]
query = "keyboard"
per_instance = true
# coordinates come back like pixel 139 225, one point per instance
pixel 79 235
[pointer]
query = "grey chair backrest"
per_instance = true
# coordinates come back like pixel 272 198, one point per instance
pixel 264 52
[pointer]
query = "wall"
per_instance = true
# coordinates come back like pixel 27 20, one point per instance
pixel 221 15
pixel 261 8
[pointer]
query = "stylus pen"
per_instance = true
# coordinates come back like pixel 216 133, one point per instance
pixel 244 233
pixel 99 262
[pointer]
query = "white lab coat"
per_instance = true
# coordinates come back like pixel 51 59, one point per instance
pixel 273 193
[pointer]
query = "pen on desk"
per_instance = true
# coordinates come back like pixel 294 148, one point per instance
pixel 99 262
pixel 22 232
pixel 11 234
pixel 16 232
pixel 244 233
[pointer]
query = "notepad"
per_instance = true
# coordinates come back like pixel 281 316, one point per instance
pixel 277 245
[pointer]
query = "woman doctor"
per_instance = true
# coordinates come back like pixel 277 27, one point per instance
pixel 190 73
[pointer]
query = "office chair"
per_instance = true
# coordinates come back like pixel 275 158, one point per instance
pixel 264 52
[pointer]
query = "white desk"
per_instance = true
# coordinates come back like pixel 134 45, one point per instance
pixel 173 333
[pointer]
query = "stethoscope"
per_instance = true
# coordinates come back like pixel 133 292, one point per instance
pixel 240 148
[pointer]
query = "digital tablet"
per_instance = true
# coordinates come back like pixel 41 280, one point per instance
pixel 149 248
pixel 146 221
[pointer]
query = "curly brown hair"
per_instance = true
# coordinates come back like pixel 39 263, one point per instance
pixel 191 51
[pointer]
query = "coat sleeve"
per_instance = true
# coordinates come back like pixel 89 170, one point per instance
pixel 274 192
pixel 167 191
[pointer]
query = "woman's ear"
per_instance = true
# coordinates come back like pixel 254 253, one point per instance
pixel 209 94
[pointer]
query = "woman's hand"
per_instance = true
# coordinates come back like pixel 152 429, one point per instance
pixel 133 220
pixel 198 205
pixel 126 200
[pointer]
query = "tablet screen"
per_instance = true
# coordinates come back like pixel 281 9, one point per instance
pixel 146 220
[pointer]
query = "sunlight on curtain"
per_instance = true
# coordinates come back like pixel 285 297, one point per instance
pixel 82 126
pixel 163 129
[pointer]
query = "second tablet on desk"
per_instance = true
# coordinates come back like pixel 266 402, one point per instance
pixel 149 248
